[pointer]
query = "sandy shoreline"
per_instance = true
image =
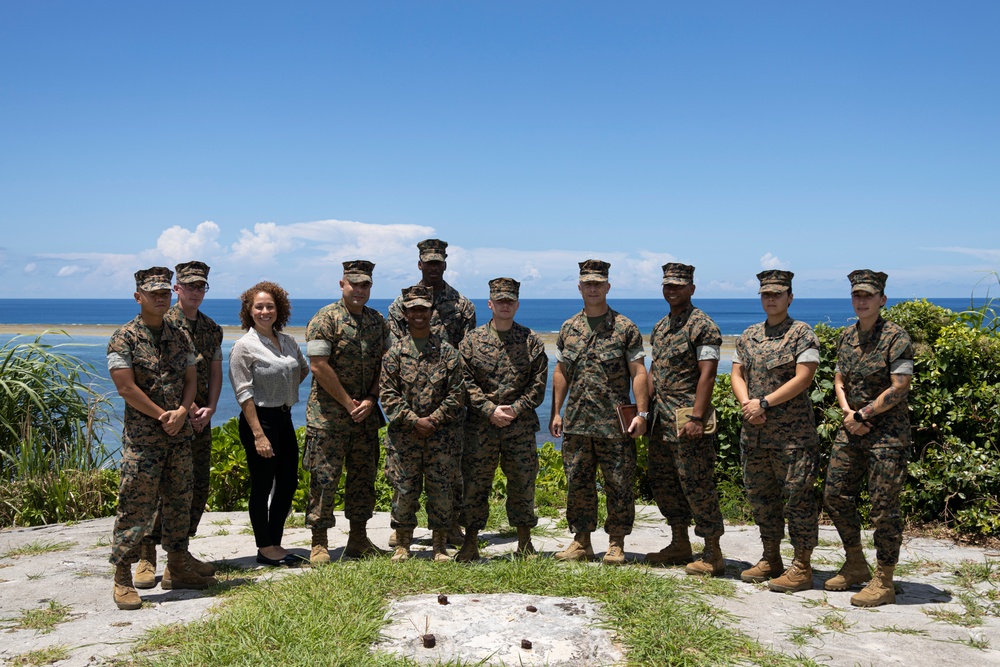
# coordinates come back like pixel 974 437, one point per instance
pixel 232 333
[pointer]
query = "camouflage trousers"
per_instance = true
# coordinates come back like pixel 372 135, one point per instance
pixel 485 446
pixel 682 478
pixel 780 485
pixel 354 446
pixel 581 457
pixel 201 473
pixel 416 464
pixel 152 472
pixel 886 470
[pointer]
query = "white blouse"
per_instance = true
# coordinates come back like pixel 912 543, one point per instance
pixel 269 376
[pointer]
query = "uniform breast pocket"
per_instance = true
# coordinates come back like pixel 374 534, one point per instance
pixel 570 360
pixel 868 365
pixel 782 367
pixel 438 376
pixel 613 363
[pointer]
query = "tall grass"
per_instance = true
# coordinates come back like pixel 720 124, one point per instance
pixel 51 418
pixel 983 317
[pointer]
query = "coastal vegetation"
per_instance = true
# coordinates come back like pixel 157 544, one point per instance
pixel 54 469
pixel 52 462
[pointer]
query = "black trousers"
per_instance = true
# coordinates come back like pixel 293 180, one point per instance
pixel 280 473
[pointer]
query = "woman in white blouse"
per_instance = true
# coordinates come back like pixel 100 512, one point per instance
pixel 265 369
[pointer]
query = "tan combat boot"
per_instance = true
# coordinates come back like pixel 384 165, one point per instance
pixel 798 577
pixel 393 540
pixel 201 567
pixel 470 549
pixel 711 561
pixel 578 549
pixel 853 572
pixel 768 566
pixel 402 549
pixel 678 552
pixel 320 553
pixel 179 573
pixel 439 539
pixel 358 544
pixel 145 570
pixel 455 535
pixel 615 555
pixel 524 545
pixel 880 590
pixel 125 595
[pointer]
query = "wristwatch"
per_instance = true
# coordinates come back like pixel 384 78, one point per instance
pixel 764 405
pixel 644 415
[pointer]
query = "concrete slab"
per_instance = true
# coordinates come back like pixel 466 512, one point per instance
pixel 940 618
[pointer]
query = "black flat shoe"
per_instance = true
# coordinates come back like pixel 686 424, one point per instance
pixel 273 562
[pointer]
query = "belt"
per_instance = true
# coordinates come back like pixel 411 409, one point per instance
pixel 279 408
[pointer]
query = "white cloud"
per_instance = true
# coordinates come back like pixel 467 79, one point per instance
pixel 69 270
pixel 263 244
pixel 30 268
pixel 769 261
pixel 178 244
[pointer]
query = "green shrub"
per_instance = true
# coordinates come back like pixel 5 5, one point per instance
pixel 50 415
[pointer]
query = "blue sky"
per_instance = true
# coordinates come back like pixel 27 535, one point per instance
pixel 275 140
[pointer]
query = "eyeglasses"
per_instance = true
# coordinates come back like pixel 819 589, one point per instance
pixel 195 288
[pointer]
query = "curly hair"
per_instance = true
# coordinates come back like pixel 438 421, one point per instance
pixel 281 304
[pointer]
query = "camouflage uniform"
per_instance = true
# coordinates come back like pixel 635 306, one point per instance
pixel 452 317
pixel 355 346
pixel 865 361
pixel 510 371
pixel 413 385
pixel 153 464
pixel 780 456
pixel 681 470
pixel 596 367
pixel 207 338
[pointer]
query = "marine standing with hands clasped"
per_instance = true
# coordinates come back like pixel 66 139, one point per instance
pixel 345 342
pixel 452 317
pixel 191 284
pixel 599 357
pixel 773 366
pixel 686 348
pixel 422 393
pixel 872 382
pixel 152 364
pixel 506 370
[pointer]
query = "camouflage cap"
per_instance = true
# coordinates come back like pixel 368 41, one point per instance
pixel 418 295
pixel 433 250
pixel 678 274
pixel 359 271
pixel 504 288
pixel 866 280
pixel 192 272
pixel 775 281
pixel 594 271
pixel 153 278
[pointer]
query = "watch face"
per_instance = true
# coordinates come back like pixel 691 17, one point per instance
pixel 764 404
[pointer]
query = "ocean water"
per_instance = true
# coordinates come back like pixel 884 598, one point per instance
pixel 542 315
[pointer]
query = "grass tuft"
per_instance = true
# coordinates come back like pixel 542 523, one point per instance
pixel 43 620
pixel 38 547
pixel 43 656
